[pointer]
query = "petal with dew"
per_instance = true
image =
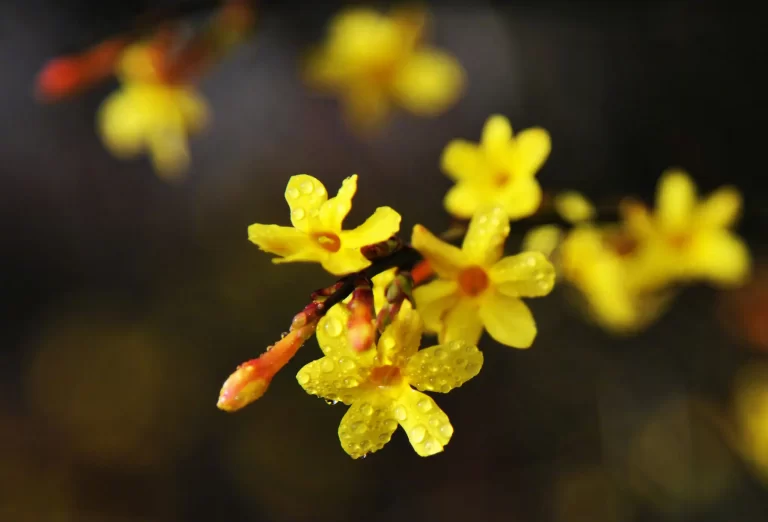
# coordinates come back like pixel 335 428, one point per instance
pixel 445 259
pixel 382 225
pixel 463 199
pixel 484 242
pixel 429 82
pixel 462 322
pixel 401 339
pixel 508 320
pixel 720 209
pixel 330 380
pixel 531 150
pixel 333 211
pixel 368 424
pixel 305 196
pixel 426 425
pixel 675 199
pixel 544 239
pixel 462 160
pixel 721 257
pixel 281 241
pixel 520 198
pixel 528 274
pixel 333 340
pixel 433 301
pixel 345 261
pixel 444 367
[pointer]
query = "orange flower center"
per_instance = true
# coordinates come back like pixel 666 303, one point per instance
pixel 680 241
pixel 473 281
pixel 328 241
pixel 621 244
pixel 501 179
pixel 384 375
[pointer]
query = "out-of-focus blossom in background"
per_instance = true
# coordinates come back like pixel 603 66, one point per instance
pixel 374 61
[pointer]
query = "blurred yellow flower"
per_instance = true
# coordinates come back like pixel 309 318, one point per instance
pixel 378 383
pixel 500 170
pixel 686 239
pixel 372 60
pixel 149 114
pixel 477 288
pixel 316 235
pixel 573 207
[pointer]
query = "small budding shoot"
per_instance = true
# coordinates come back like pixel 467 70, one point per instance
pixel 360 325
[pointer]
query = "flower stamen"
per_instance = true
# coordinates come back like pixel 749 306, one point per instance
pixel 473 281
pixel 328 240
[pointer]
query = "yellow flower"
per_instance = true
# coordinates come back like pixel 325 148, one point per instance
pixel 378 383
pixel 147 114
pixel 372 61
pixel 476 288
pixel 498 171
pixel 687 239
pixel 316 235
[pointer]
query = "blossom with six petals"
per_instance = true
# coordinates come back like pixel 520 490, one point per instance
pixel 316 235
pixel 499 171
pixel 378 383
pixel 478 288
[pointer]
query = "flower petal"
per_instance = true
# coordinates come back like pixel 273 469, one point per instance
pixel 333 341
pixel 462 159
pixel 721 257
pixel 531 149
pixel 528 274
pixel 445 259
pixel 282 241
pixel 520 198
pixel 333 211
pixel 433 301
pixel 462 322
pixel 169 151
pixel 330 380
pixel 305 196
pixel 428 82
pixel 402 338
pixel 367 107
pixel 463 199
pixel 675 199
pixel 573 207
pixel 382 225
pixel 484 242
pixel 426 425
pixel 508 320
pixel 345 261
pixel 544 239
pixel 497 134
pixel 368 425
pixel 444 367
pixel 720 209
pixel 121 126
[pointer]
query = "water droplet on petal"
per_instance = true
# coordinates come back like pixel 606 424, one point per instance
pixel 359 427
pixel 307 187
pixel 333 327
pixel 470 368
pixel 366 409
pixel 298 214
pixel 440 353
pixel 390 424
pixel 434 422
pixel 445 388
pixel 400 413
pixel 327 365
pixel 446 430
pixel 418 433
pixel 303 378
pixel 346 363
pixel 424 405
pixel 428 446
pixel 455 345
pixel 292 193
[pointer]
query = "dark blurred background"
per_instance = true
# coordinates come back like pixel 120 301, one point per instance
pixel 129 300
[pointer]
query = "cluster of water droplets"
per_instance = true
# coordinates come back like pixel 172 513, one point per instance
pixel 305 199
pixel 445 367
pixel 488 231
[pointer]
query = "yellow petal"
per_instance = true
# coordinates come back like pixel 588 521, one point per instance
pixel 444 367
pixel 329 379
pixel 121 127
pixel 193 109
pixel 345 261
pixel 382 225
pixel 305 196
pixel 426 425
pixel 333 211
pixel 169 151
pixel 720 256
pixel 282 241
pixel 529 274
pixel 462 159
pixel 520 198
pixel 573 207
pixel 508 320
pixel 367 107
pixel 401 339
pixel 446 260
pixel 429 82
pixel 464 198
pixel 433 301
pixel 497 134
pixel 531 150
pixel 381 282
pixel 720 209
pixel 462 322
pixel 675 199
pixel 368 425
pixel 333 341
pixel 544 239
pixel 484 242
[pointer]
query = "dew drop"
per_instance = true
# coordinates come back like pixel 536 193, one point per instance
pixel 332 327
pixel 298 214
pixel 434 422
pixel 307 187
pixel 400 413
pixel 482 219
pixel 471 368
pixel 359 428
pixel 428 446
pixel 424 405
pixel 344 435
pixel 350 382
pixel 390 425
pixel 418 433
pixel 327 365
pixel 445 388
pixel 440 353
pixel 455 346
pixel 384 437
pixel 388 343
pixel 459 361
pixel 366 409
pixel 346 363
pixel 446 430
pixel 292 193
pixel 303 378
